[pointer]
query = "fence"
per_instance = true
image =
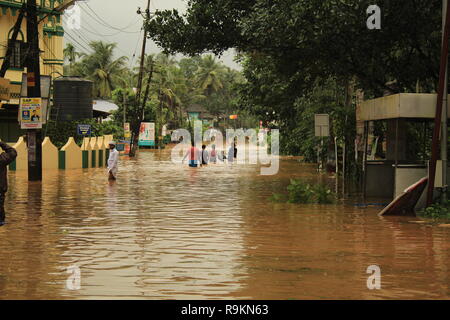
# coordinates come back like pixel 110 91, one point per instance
pixel 93 153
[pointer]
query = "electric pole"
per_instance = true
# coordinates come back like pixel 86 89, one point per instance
pixel 34 91
pixel 444 132
pixel 136 123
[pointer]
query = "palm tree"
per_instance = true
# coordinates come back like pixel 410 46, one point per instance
pixel 71 54
pixel 102 69
pixel 209 75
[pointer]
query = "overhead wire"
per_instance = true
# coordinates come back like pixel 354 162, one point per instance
pixel 102 22
pixel 76 41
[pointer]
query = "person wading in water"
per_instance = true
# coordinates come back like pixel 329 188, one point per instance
pixel 194 156
pixel 213 158
pixel 113 161
pixel 5 159
pixel 205 156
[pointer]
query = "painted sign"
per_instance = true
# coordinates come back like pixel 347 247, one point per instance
pixel 84 129
pixel 233 117
pixel 5 89
pixel 127 131
pixel 31 113
pixel 147 134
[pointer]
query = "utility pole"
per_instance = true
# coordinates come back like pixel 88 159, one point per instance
pixel 136 123
pixel 444 134
pixel 34 91
pixel 438 118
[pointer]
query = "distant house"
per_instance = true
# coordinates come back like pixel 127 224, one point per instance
pixel 102 109
pixel 197 112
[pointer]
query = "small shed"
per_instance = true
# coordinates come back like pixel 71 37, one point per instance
pixel 389 177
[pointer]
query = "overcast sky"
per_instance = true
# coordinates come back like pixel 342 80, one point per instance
pixel 122 15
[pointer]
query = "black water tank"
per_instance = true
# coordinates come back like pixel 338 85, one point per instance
pixel 72 99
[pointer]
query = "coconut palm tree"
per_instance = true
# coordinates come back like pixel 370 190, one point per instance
pixel 101 67
pixel 209 75
pixel 71 54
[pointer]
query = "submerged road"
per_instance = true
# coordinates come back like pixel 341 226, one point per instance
pixel 164 231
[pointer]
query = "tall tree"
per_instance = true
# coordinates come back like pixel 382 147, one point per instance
pixel 101 67
pixel 71 54
pixel 209 75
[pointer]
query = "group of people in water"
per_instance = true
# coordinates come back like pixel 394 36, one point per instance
pixel 203 157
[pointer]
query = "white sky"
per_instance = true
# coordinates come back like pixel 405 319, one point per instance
pixel 122 15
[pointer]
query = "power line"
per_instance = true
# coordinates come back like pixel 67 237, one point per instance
pixel 73 39
pixel 135 49
pixel 105 24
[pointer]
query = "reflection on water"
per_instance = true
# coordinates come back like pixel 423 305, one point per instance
pixel 169 232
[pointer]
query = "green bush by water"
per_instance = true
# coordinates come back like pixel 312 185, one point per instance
pixel 300 191
pixel 436 211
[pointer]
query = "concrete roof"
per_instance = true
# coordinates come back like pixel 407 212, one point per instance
pixel 402 105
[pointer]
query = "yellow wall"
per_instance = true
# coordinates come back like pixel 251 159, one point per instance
pixel 74 157
pixel 49 155
pixel 51 44
pixel 86 146
pixel 22 154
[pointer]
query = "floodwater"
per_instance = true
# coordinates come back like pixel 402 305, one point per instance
pixel 164 231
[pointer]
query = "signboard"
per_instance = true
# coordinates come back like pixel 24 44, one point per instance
pixel 233 117
pixel 147 134
pixel 126 128
pixel 45 93
pixel 5 89
pixel 322 125
pixel 84 130
pixel 120 147
pixel 30 113
pixel 123 146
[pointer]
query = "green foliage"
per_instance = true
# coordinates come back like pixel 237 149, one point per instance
pixel 299 191
pixel 305 38
pixel 60 132
pixel 100 66
pixel 277 197
pixel 436 211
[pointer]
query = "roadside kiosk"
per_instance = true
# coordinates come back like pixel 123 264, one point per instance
pixel 388 178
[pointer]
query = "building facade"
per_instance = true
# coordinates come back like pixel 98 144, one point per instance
pixel 51 35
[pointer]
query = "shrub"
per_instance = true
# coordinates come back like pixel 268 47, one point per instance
pixel 436 211
pixel 278 197
pixel 300 191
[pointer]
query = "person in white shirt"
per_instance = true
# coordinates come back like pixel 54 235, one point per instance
pixel 113 161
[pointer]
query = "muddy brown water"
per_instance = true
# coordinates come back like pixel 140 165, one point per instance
pixel 164 231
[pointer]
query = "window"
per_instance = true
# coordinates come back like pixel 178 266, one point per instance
pixel 18 54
